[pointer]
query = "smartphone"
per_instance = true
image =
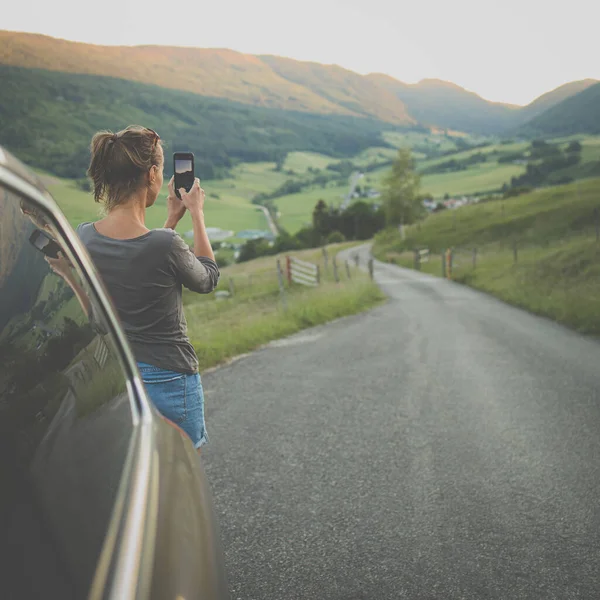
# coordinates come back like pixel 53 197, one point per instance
pixel 183 168
pixel 44 243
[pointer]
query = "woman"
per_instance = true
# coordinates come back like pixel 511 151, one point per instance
pixel 144 270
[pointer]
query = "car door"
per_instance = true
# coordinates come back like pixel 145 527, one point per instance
pixel 100 497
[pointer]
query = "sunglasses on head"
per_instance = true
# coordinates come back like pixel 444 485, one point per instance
pixel 156 137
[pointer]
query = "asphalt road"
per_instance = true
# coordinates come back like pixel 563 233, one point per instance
pixel 444 445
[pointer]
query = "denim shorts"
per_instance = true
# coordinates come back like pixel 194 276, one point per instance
pixel 179 398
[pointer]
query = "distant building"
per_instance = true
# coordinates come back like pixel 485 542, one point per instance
pixel 255 234
pixel 214 234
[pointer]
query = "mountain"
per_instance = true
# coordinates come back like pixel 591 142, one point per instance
pixel 209 72
pixel 344 88
pixel 47 118
pixel 224 104
pixel 550 99
pixel 447 105
pixel 576 114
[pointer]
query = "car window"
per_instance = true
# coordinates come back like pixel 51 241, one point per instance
pixel 66 419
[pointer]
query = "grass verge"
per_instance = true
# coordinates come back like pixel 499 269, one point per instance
pixel 254 315
pixel 561 282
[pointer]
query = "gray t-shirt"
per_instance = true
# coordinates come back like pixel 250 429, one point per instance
pixel 144 277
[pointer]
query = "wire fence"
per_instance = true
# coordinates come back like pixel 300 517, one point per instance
pixel 456 261
pixel 514 248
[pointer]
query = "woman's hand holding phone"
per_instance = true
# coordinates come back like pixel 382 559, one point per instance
pixel 194 199
pixel 194 202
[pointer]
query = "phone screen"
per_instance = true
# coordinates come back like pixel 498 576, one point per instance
pixel 184 171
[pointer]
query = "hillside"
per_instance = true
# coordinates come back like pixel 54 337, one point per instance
pixel 546 216
pixel 554 271
pixel 344 88
pixel 435 102
pixel 577 114
pixel 215 73
pixel 280 83
pixel 47 119
pixel 446 105
pixel 554 97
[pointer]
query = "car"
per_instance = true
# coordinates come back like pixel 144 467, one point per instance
pixel 100 496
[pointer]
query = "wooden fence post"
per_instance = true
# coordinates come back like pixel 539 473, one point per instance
pixel 348 270
pixel 444 264
pixel 417 260
pixel 281 285
pixel 318 274
pixel 325 257
pixel 449 261
pixel 371 268
pixel 288 266
pixel 356 259
pixel 335 269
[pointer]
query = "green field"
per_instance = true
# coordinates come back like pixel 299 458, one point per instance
pixel 230 212
pixel 296 209
pixel 435 142
pixel 536 218
pixel 228 204
pixel 483 177
pixel 488 150
pixel 300 162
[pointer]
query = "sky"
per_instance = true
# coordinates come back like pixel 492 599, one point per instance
pixel 504 50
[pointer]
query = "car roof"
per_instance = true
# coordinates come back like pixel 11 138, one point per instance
pixel 13 164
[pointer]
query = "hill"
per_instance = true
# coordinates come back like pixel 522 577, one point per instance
pixel 47 119
pixel 575 115
pixel 554 97
pixel 280 83
pixel 353 92
pixel 554 270
pixel 546 216
pixel 216 73
pixel 446 105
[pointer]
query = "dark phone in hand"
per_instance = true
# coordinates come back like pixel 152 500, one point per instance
pixel 183 168
pixel 44 243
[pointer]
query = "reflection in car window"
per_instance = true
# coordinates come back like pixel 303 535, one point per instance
pixel 65 415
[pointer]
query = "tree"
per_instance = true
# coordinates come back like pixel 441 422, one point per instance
pixel 320 218
pixel 280 161
pixel 401 191
pixel 361 221
pixel 253 249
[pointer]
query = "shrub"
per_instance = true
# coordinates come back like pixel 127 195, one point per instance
pixel 335 237
pixel 222 261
